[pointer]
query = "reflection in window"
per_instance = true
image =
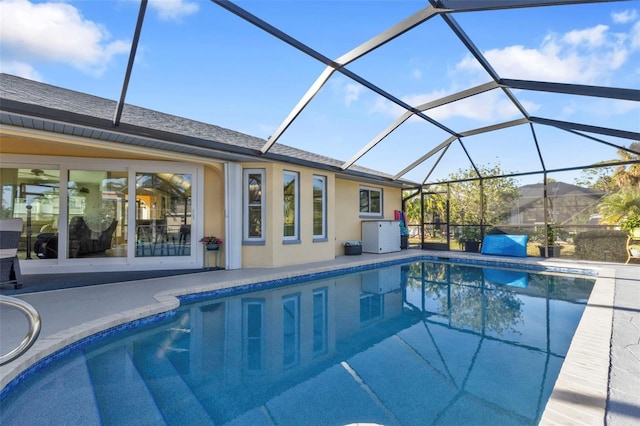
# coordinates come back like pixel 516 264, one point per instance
pixel 371 307
pixel 163 214
pixel 97 203
pixel 290 205
pixel 253 334
pixel 320 338
pixel 254 209
pixel 370 201
pixel 290 330
pixel 319 206
pixel 32 195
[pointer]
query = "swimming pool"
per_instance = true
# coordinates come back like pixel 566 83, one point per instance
pixel 418 343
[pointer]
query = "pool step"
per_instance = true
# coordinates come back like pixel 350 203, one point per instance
pixel 121 393
pixel 176 400
pixel 63 395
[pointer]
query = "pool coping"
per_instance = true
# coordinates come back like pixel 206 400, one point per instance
pixel 579 394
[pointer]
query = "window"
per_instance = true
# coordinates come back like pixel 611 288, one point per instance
pixel 163 212
pixel 320 333
pixel 370 201
pixel 253 334
pixel 33 194
pixel 290 330
pixel 371 307
pixel 254 208
pixel 319 208
pixel 290 206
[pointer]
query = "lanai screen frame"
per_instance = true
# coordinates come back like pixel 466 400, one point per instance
pixel 445 9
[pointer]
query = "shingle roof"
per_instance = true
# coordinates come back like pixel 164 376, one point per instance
pixel 31 104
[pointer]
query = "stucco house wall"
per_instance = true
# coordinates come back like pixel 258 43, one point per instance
pixel 348 218
pixel 74 131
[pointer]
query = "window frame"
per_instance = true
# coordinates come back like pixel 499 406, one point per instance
pixel 291 332
pixel 246 238
pixel 369 190
pixel 249 340
pixel 295 238
pixel 322 237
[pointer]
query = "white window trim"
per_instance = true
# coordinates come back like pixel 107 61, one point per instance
pixel 323 236
pixel 369 213
pixel 295 238
pixel 246 339
pixel 245 207
pixel 63 264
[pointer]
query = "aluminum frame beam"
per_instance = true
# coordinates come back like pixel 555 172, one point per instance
pixel 450 140
pixel 270 29
pixel 132 56
pixel 445 9
pixel 566 125
pixel 424 107
pixel 573 89
pixel 480 5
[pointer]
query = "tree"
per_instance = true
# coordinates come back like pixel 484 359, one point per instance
pixel 600 179
pixel 620 205
pixel 499 195
pixel 624 201
pixel 629 176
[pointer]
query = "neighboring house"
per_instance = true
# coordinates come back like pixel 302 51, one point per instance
pixel 141 194
pixel 567 204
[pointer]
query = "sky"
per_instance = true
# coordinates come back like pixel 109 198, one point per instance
pixel 197 60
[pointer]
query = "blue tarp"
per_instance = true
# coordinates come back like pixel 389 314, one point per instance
pixel 505 245
pixel 506 277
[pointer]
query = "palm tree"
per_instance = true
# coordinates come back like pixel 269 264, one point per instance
pixel 629 176
pixel 620 205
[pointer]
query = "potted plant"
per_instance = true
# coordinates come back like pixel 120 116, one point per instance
pixel 211 242
pixel 553 249
pixel 470 238
pixel 634 250
pixel 631 224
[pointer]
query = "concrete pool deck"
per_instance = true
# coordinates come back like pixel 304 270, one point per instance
pixel 599 382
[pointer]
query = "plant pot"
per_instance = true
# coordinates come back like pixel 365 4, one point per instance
pixel 554 251
pixel 212 246
pixel 352 250
pixel 472 246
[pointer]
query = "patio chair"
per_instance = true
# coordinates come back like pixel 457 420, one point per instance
pixel 10 230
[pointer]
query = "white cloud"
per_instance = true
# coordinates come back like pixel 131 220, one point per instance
pixel 590 37
pixel 173 10
pixel 55 32
pixel 625 16
pixel 586 56
pixel 486 107
pixel 634 36
pixel 20 69
pixel 416 74
pixel 351 93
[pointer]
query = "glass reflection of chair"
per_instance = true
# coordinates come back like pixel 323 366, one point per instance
pixel 10 230
pixel 184 240
pixel 162 241
pixel 144 239
pixel 154 240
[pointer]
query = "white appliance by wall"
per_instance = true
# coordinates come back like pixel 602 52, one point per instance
pixel 383 280
pixel 380 236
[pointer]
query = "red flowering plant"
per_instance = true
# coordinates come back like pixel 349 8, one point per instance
pixel 210 239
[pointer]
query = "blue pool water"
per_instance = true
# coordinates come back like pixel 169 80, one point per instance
pixel 408 344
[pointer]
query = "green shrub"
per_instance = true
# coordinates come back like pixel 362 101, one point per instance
pixel 602 245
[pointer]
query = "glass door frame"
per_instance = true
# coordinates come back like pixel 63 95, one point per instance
pixel 65 264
